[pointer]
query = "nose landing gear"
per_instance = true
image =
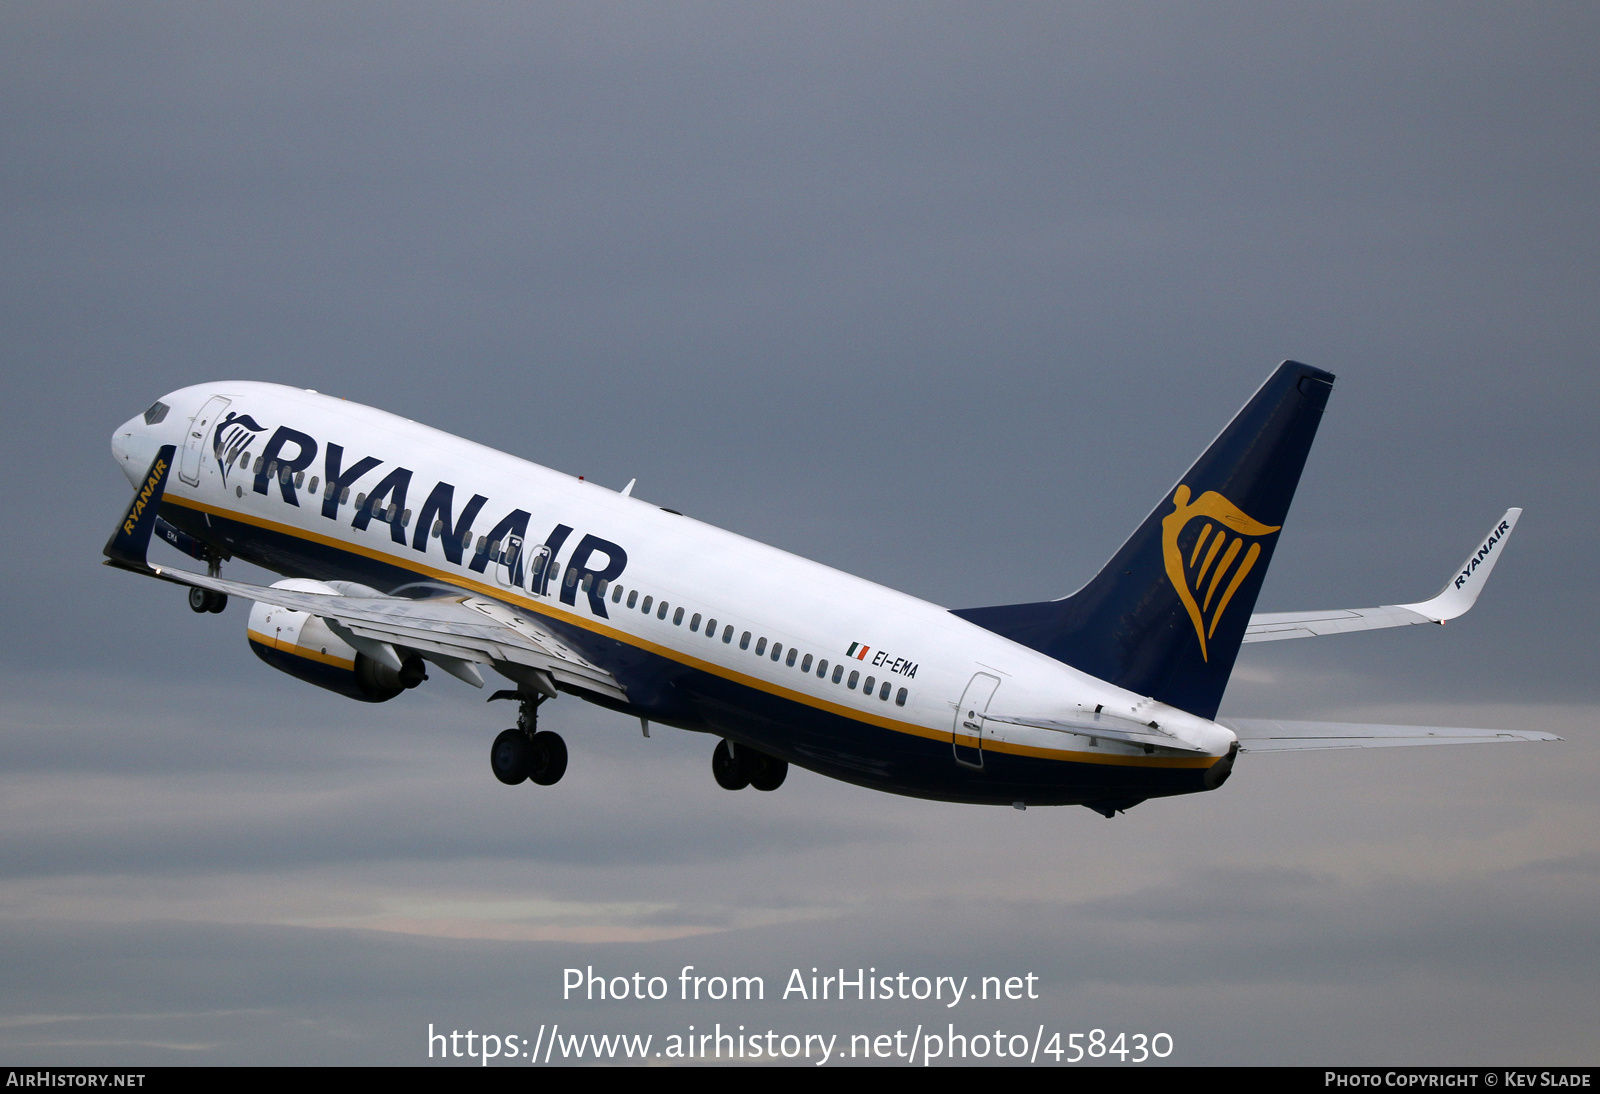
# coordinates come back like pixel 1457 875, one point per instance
pixel 526 752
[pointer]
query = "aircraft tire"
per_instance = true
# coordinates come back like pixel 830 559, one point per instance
pixel 547 759
pixel 728 768
pixel 510 757
pixel 766 772
pixel 204 600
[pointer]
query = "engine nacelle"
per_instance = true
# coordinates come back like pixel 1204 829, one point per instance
pixel 303 646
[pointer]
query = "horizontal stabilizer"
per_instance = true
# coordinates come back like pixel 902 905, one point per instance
pixel 1105 725
pixel 1265 735
pixel 1458 595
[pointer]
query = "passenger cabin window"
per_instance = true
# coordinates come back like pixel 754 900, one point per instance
pixel 633 598
pixel 616 594
pixel 883 692
pixel 822 668
pixel 805 666
pixel 694 624
pixel 677 618
pixel 727 633
pixel 761 646
pixel 838 671
pixel 900 698
pixel 867 687
pixel 662 613
pixel 744 640
pixel 645 607
pixel 789 661
pixel 777 650
pixel 854 677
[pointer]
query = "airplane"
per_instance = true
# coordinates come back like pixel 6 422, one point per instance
pixel 405 548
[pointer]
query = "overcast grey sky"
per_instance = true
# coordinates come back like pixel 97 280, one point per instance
pixel 943 295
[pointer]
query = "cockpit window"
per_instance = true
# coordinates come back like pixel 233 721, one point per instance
pixel 157 411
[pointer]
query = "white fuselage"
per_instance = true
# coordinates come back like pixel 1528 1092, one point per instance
pixel 926 656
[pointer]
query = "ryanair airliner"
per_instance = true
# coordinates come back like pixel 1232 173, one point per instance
pixel 405 548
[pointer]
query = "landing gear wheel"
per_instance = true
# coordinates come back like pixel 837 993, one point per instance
pixel 204 600
pixel 547 758
pixel 766 772
pixel 728 768
pixel 511 756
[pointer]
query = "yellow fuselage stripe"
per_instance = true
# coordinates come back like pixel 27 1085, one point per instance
pixel 572 619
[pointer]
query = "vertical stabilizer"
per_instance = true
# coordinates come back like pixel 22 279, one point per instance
pixel 1166 615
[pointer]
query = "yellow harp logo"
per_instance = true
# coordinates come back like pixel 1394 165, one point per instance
pixel 1212 555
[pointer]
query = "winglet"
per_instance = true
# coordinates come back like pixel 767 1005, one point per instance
pixel 1461 591
pixel 130 543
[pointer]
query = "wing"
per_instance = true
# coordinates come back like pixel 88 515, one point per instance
pixel 1458 594
pixel 1264 735
pixel 450 631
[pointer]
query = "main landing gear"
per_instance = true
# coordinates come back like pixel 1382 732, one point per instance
pixel 738 766
pixel 204 600
pixel 525 752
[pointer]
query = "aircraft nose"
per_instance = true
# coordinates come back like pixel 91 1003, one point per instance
pixel 119 442
pixel 133 448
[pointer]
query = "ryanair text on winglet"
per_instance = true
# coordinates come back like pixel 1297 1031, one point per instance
pixel 1482 553
pixel 157 470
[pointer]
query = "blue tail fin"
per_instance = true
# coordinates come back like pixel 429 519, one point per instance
pixel 1166 615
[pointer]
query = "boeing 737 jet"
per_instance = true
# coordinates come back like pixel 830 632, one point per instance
pixel 405 548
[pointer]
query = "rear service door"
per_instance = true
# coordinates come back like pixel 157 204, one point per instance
pixel 966 734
